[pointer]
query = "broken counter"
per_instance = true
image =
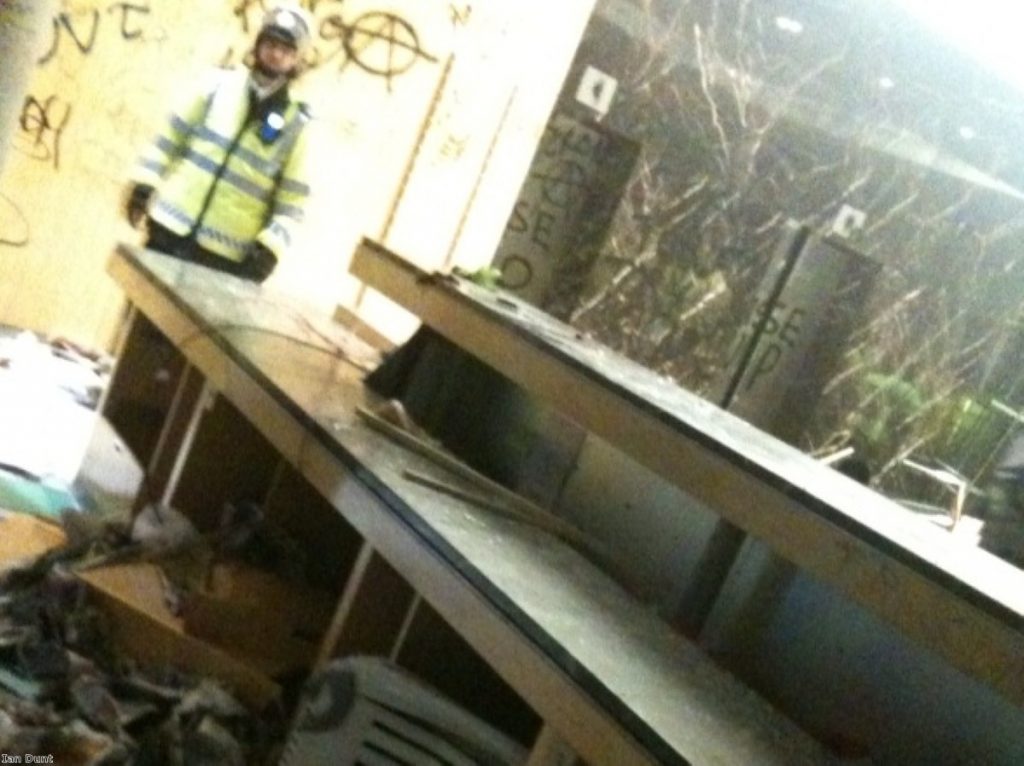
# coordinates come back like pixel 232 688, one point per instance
pixel 957 601
pixel 595 666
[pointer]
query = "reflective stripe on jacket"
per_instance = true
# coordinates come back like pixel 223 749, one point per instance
pixel 217 178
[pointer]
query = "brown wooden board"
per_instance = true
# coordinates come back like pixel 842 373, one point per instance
pixel 132 597
pixel 143 628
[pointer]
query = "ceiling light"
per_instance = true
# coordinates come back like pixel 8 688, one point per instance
pixel 787 24
pixel 989 30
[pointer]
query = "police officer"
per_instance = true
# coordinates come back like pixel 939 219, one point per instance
pixel 226 183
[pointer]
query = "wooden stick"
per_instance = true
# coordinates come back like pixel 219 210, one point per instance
pixel 445 460
pixel 506 501
pixel 550 524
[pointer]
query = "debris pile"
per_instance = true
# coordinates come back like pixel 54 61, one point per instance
pixel 67 691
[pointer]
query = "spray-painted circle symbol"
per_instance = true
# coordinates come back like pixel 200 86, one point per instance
pixel 383 44
pixel 516 272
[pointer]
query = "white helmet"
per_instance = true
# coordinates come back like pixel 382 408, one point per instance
pixel 289 22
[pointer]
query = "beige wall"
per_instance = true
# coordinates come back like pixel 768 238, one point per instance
pixel 429 158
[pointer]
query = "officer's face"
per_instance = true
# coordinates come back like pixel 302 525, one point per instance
pixel 276 57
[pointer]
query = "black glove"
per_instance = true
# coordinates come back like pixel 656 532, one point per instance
pixel 138 203
pixel 259 262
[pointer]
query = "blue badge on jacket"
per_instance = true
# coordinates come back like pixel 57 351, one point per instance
pixel 271 127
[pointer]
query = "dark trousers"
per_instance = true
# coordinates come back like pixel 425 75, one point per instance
pixel 165 241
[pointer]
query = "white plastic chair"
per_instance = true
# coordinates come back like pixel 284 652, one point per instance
pixel 365 711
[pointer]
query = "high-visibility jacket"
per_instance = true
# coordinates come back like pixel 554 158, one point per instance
pixel 227 176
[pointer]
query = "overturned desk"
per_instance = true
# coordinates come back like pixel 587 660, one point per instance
pixel 258 400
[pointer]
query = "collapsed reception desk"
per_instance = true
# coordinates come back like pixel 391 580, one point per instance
pixel 600 671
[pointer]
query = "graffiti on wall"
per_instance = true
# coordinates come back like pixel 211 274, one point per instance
pixel 542 219
pixel 44 121
pixel 40 127
pixel 45 118
pixel 132 26
pixel 14 228
pixel 82 29
pixel 781 328
pixel 380 43
pixel 459 13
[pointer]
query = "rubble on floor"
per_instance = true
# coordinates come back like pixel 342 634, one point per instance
pixel 68 688
pixel 71 695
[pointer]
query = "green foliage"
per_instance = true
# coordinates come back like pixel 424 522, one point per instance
pixel 896 418
pixel 890 402
pixel 488 277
